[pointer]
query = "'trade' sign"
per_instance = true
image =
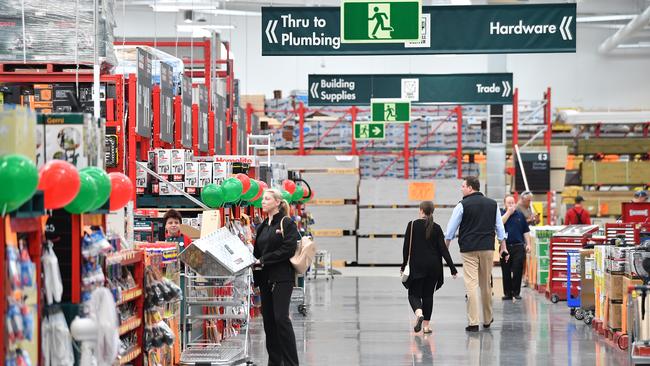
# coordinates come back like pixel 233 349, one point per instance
pixel 296 31
pixel 452 88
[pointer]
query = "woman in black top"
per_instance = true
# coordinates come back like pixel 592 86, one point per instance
pixel 277 239
pixel 427 249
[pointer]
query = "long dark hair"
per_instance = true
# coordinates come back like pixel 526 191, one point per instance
pixel 428 208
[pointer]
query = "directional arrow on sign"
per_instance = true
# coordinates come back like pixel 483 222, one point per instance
pixel 565 28
pixel 376 131
pixel 314 90
pixel 506 89
pixel 270 31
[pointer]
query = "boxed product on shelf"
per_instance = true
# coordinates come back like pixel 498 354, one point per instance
pixel 141 177
pixel 220 172
pixel 205 173
pixel 178 158
pixel 61 31
pixel 587 294
pixel 163 161
pixel 615 315
pixel 191 176
pixel 165 189
pixel 72 137
pixel 614 285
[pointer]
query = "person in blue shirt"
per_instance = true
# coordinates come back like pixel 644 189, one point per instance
pixel 517 244
pixel 477 218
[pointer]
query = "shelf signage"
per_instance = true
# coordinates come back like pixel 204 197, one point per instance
pixel 166 103
pixel 186 115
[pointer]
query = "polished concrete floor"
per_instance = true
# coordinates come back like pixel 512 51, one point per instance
pixel 363 318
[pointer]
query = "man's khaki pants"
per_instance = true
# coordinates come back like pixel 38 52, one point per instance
pixel 477 271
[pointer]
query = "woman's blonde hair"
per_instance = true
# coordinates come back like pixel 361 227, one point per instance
pixel 284 205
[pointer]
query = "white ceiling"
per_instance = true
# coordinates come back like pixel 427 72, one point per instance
pixel 628 20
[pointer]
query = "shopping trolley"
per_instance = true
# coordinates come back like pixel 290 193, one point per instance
pixel 322 265
pixel 217 313
pixel 299 294
pixel 638 308
pixel 573 277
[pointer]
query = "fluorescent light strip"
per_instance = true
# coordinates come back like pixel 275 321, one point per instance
pixel 604 18
pixel 193 27
pixel 202 9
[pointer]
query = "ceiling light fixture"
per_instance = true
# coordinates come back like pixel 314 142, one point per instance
pixel 188 16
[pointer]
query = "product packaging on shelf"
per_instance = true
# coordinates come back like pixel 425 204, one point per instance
pixel 191 177
pixel 72 137
pixel 163 162
pixel 178 161
pixel 141 178
pixel 166 190
pixel 220 172
pixel 205 173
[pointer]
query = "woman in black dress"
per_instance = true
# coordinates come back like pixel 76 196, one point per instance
pixel 424 249
pixel 277 239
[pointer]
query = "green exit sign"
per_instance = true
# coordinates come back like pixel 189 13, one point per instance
pixel 394 21
pixel 391 110
pixel 369 131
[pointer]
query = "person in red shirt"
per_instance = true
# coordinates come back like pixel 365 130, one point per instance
pixel 577 215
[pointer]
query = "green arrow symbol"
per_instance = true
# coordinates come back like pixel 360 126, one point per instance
pixel 376 131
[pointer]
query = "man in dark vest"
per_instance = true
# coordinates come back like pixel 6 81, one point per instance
pixel 478 217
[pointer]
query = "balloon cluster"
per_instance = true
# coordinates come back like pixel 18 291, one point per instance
pixel 234 189
pixel 293 193
pixel 242 188
pixel 63 186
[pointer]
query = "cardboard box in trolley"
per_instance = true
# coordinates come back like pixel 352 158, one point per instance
pixel 163 161
pixel 191 177
pixel 205 173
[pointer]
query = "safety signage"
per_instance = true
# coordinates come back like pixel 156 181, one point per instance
pixel 391 110
pixel 380 21
pixel 495 88
pixel 369 131
pixel 309 31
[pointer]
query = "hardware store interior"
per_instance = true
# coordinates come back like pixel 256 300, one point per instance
pixel 324 182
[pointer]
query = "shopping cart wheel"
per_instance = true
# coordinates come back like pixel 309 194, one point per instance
pixel 555 299
pixel 623 342
pixel 579 314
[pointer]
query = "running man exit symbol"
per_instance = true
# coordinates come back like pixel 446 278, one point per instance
pixel 369 131
pixel 380 21
pixel 390 110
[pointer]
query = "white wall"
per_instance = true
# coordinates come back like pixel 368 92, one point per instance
pixel 584 79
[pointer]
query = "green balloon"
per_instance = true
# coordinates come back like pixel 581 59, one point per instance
pixel 212 195
pixel 8 207
pixel 19 178
pixel 252 192
pixel 86 197
pixel 286 196
pixel 258 203
pixel 232 188
pixel 297 195
pixel 103 183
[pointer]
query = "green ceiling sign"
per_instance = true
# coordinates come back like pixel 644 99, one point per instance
pixel 526 28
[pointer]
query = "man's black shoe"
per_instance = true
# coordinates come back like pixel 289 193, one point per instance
pixel 471 328
pixel 517 297
pixel 487 326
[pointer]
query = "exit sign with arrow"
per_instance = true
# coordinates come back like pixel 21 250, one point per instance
pixel 369 131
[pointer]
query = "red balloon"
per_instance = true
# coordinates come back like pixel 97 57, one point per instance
pixel 289 186
pixel 121 190
pixel 306 192
pixel 245 181
pixel 263 187
pixel 59 181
